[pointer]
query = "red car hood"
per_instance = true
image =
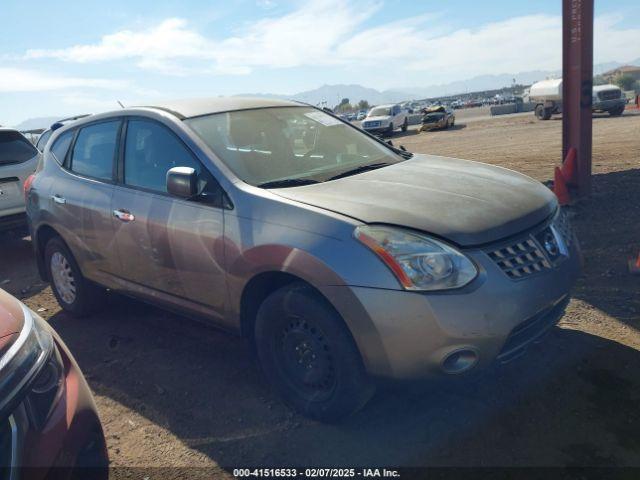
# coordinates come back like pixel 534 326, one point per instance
pixel 11 320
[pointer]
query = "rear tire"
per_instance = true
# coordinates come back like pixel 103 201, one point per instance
pixel 309 356
pixel 542 113
pixel 75 294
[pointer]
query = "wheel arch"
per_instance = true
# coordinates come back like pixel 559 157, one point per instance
pixel 41 236
pixel 360 327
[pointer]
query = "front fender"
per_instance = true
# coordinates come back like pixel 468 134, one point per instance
pixel 244 266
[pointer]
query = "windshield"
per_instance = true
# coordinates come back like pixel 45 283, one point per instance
pixel 292 144
pixel 15 148
pixel 434 116
pixel 380 112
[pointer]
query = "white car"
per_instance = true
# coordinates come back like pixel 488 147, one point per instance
pixel 385 119
pixel 18 160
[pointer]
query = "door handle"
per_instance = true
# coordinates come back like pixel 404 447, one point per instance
pixel 58 199
pixel 124 215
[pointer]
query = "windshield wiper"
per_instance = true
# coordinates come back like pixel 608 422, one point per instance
pixel 360 169
pixel 288 182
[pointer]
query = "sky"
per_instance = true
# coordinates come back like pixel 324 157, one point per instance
pixel 66 57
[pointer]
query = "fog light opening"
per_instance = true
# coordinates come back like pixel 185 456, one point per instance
pixel 459 361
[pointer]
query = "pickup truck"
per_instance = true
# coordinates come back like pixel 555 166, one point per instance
pixel 385 119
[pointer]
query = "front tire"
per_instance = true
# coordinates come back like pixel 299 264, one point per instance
pixel 309 356
pixel 616 112
pixel 74 293
pixel 405 125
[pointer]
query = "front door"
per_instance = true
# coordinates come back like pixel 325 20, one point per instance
pixel 169 248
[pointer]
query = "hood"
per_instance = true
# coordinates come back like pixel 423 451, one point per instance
pixel 604 88
pixel 11 320
pixel 378 118
pixel 468 203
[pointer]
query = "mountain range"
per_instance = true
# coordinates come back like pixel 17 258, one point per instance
pixel 331 95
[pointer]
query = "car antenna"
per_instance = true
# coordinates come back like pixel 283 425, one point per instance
pixel 120 103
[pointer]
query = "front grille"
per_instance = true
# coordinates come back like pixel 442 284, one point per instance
pixel 520 259
pixel 609 95
pixel 371 124
pixel 536 251
pixel 530 330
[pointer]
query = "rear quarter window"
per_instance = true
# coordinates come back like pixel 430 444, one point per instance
pixel 94 151
pixel 42 141
pixel 60 147
pixel 15 148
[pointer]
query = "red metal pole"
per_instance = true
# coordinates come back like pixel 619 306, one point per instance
pixel 577 85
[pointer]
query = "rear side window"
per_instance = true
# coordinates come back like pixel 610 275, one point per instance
pixel 61 146
pixel 44 138
pixel 150 151
pixel 94 150
pixel 15 148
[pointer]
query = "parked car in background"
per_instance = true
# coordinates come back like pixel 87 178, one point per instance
pixel 48 419
pixel 437 117
pixel 32 135
pixel 361 115
pixel 18 160
pixel 343 259
pixel 44 137
pixel 385 119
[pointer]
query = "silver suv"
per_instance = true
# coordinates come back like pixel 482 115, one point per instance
pixel 344 259
pixel 18 160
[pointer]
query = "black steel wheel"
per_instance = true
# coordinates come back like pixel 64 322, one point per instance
pixel 308 354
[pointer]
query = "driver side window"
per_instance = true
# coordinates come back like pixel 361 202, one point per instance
pixel 151 150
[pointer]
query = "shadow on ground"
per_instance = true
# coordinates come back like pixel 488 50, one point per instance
pixel 16 258
pixel 570 401
pixel 609 232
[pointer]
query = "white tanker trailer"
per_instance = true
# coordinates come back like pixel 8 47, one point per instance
pixel 547 95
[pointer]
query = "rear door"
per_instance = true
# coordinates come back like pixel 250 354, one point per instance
pixel 18 160
pixel 80 197
pixel 170 248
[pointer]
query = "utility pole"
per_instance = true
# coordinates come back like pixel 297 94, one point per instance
pixel 577 86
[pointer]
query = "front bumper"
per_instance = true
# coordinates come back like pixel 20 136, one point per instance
pixel 408 335
pixel 606 105
pixel 377 130
pixel 425 127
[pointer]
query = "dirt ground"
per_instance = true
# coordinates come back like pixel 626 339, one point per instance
pixel 172 392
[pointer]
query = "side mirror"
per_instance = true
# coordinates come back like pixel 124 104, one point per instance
pixel 182 182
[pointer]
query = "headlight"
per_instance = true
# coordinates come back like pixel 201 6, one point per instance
pixel 25 361
pixel 419 262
